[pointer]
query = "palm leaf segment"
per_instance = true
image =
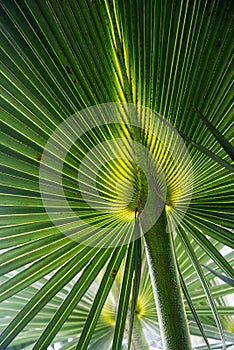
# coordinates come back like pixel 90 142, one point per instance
pixel 59 57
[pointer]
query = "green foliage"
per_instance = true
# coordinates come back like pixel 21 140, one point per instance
pixel 57 58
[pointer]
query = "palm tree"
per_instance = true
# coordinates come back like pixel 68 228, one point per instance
pixel 170 62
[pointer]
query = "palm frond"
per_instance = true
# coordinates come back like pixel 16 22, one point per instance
pixel 61 57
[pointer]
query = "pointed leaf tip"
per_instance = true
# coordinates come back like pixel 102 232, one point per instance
pixel 227 280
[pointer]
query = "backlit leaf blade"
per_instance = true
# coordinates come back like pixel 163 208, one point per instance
pixel 221 139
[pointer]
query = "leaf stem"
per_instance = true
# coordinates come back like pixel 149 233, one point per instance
pixel 166 287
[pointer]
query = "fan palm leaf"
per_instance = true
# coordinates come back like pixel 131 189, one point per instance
pixel 61 57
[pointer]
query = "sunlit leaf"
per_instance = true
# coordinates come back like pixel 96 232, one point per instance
pixel 61 57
